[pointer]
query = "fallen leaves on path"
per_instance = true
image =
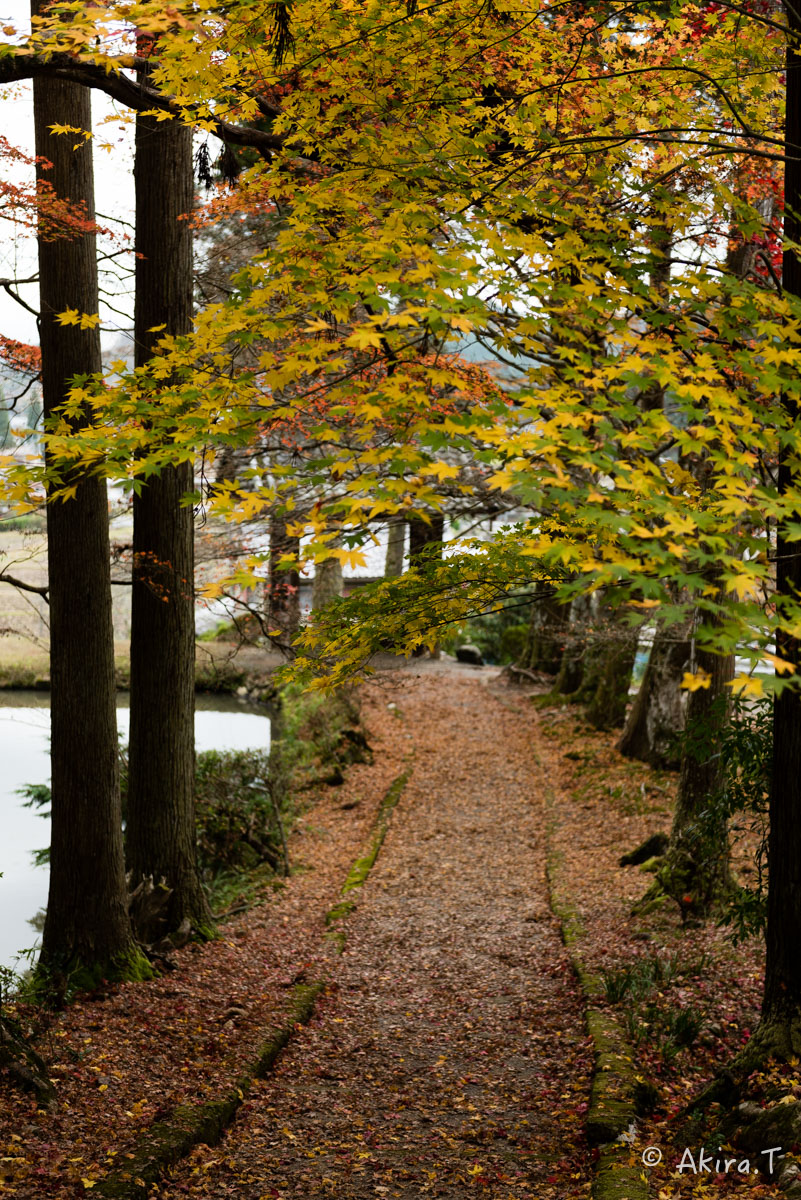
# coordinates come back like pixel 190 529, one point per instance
pixel 449 1055
pixel 126 1056
pixel 704 1002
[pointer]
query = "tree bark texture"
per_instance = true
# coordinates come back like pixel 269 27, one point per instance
pixel 607 662
pixel 327 583
pixel 547 632
pixel 613 666
pixel 283 588
pixel 425 536
pixel 160 832
pixel 696 867
pixel 396 543
pixel 656 718
pixel 87 928
pixel 781 1004
pixel 571 667
pixel 425 540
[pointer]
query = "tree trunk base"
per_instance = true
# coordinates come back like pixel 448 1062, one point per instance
pixel 677 880
pixel 773 1038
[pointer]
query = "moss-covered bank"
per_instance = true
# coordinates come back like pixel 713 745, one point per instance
pixel 611 1114
pixel 188 1125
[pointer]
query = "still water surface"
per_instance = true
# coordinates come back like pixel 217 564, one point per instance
pixel 221 723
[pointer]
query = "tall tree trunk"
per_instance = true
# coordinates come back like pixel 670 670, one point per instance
pixel 327 583
pixel 571 666
pixel 87 932
pixel 547 632
pixel 425 536
pixel 614 664
pixel 396 542
pixel 656 718
pixel 695 871
pixel 160 830
pixel 605 656
pixel 283 588
pixel 425 539
pixel 781 1003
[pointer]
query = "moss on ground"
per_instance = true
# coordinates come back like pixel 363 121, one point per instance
pixel 363 865
pixel 188 1125
pixel 612 1108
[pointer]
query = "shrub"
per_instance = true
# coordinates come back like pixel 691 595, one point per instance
pixel 237 812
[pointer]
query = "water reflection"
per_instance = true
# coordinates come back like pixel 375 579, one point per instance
pixel 221 723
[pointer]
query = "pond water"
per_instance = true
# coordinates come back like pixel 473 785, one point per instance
pixel 221 723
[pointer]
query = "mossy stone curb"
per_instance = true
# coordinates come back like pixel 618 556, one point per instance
pixel 611 1110
pixel 611 1113
pixel 363 865
pixel 168 1141
pixel 616 1177
pixel 188 1125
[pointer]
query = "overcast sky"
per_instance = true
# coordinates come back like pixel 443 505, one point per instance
pixel 114 136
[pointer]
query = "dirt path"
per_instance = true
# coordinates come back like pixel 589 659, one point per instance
pixel 449 1056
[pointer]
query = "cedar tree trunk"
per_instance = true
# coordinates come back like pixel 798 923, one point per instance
pixel 613 663
pixel 283 589
pixel 607 663
pixel 396 542
pixel 425 539
pixel 571 668
pixel 87 932
pixel 695 871
pixel 657 714
pixel 547 632
pixel 781 1003
pixel 160 829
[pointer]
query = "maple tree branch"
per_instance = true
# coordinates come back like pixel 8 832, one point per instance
pixel 23 586
pixel 129 92
pixel 6 285
pixel 16 282
pixel 21 395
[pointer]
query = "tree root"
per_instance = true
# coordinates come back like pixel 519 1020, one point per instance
pixel 23 1064
pixel 779 1040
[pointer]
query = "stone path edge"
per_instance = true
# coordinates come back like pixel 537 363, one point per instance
pixel 611 1115
pixel 168 1141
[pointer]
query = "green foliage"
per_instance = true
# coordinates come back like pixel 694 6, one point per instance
pixel 29 523
pixel 664 1028
pixel 747 751
pixel 37 795
pixel 237 812
pixel 650 1018
pixel 500 634
pixel 222 631
pixel 316 736
pixel 639 978
pixel 246 800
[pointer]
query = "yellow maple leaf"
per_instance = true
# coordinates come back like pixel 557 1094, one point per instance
pixel 362 338
pixel 781 665
pixel 746 685
pixel 692 681
pixel 741 584
pixel 73 317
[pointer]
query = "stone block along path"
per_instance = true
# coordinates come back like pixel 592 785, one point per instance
pixel 448 1054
